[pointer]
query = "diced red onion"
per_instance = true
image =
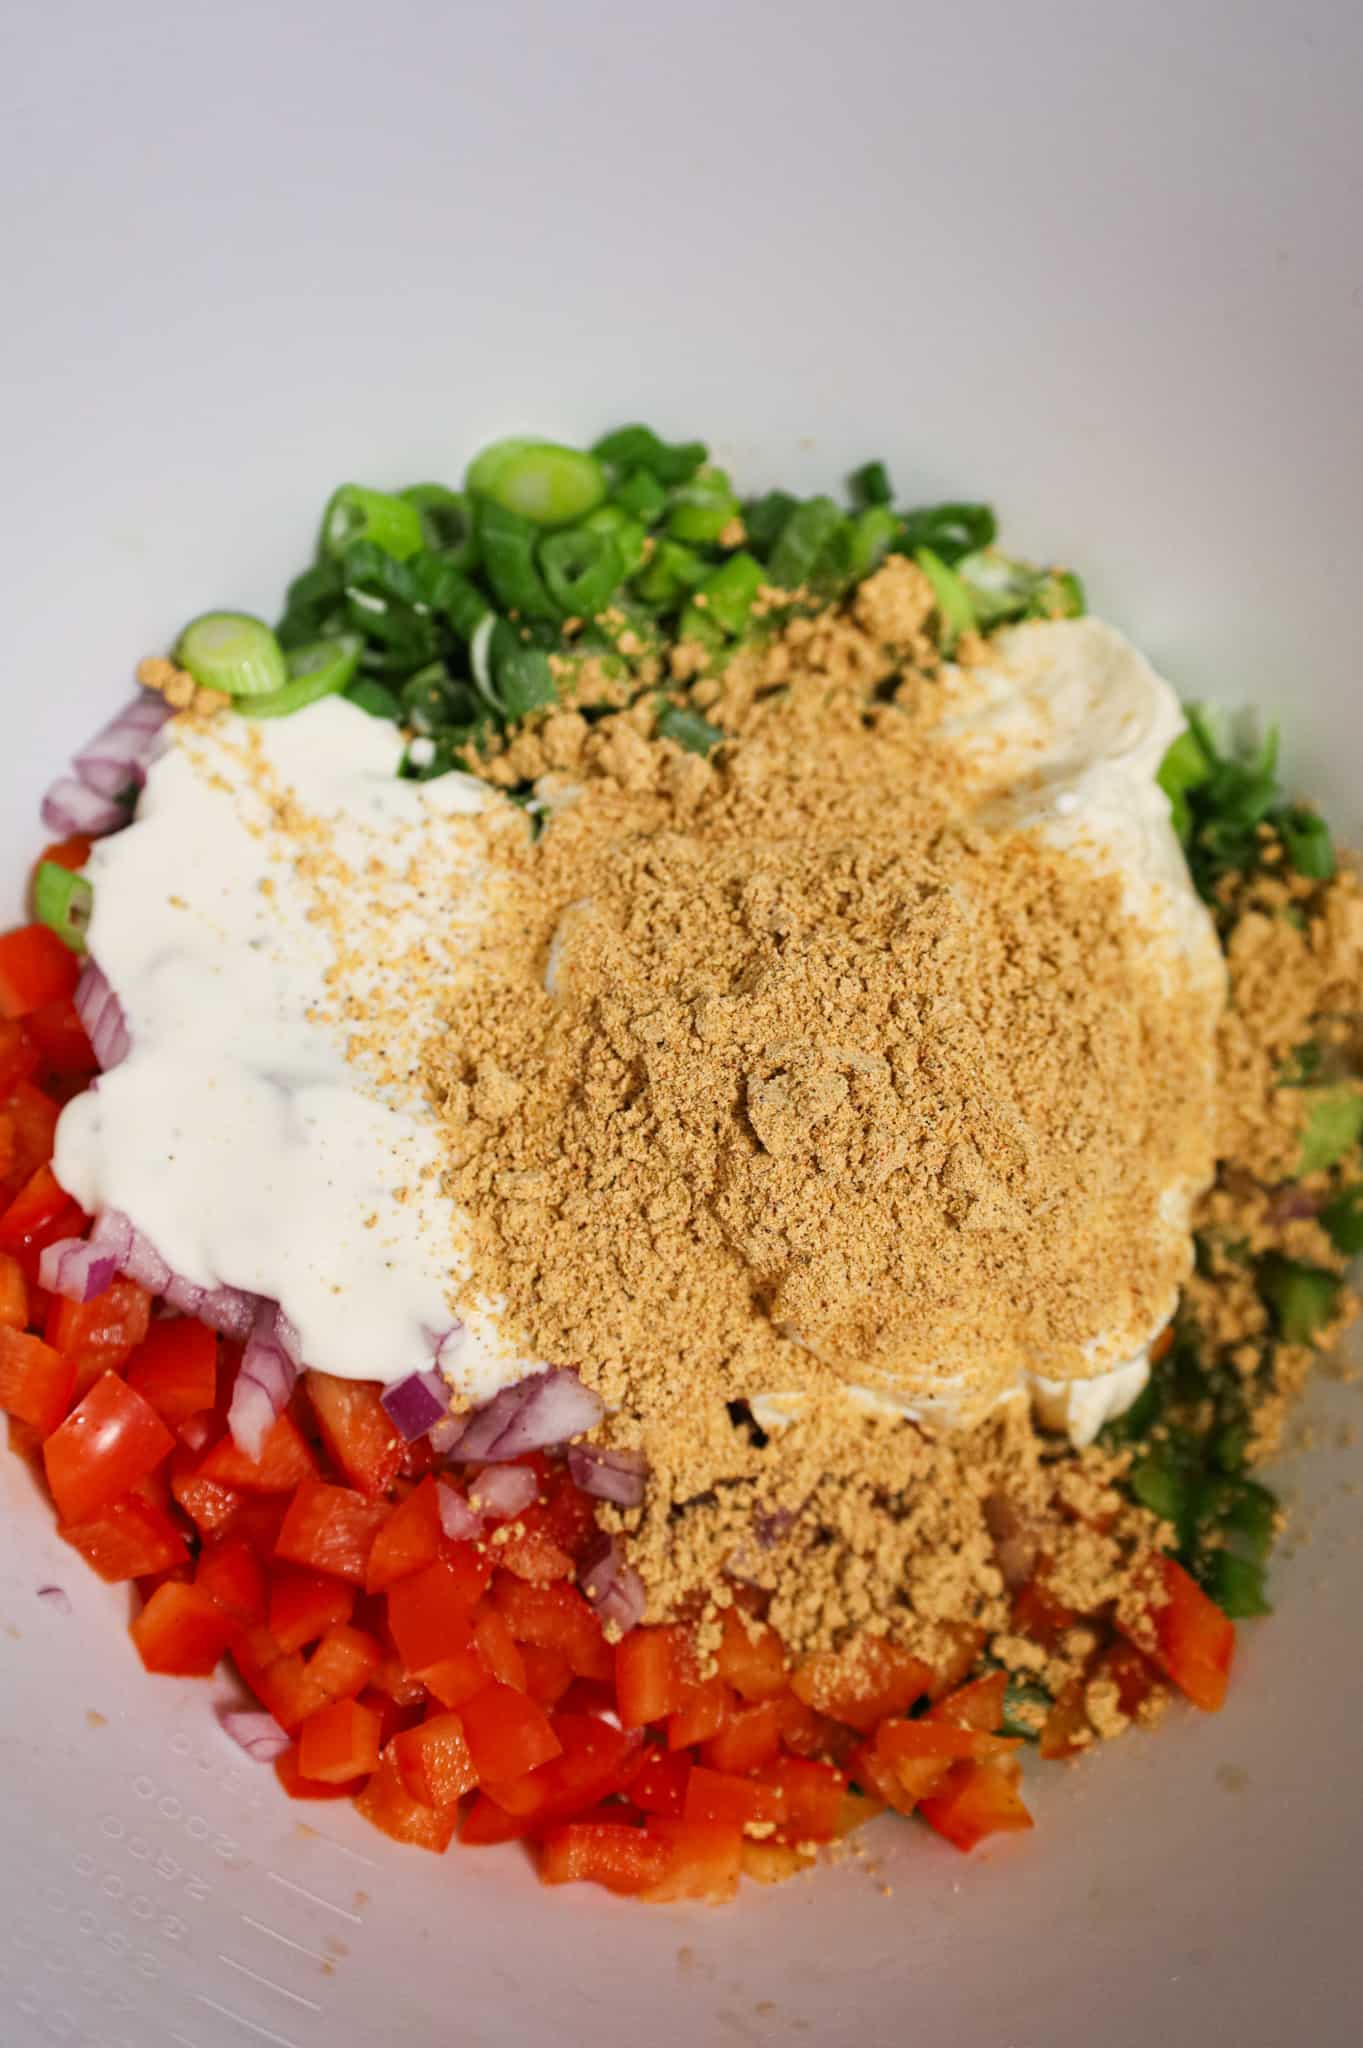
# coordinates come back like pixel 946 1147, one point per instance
pixel 546 1408
pixel 144 1264
pixel 1292 1204
pixel 260 1735
pixel 76 1268
pixel 457 1518
pixel 55 1597
pixel 71 806
pixel 416 1404
pixel 446 1434
pixel 265 1379
pixel 447 1344
pixel 114 1234
pixel 612 1587
pixel 101 1013
pixel 184 1295
pixel 232 1312
pixel 609 1475
pixel 503 1490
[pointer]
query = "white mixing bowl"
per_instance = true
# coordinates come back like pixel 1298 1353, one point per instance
pixel 1102 264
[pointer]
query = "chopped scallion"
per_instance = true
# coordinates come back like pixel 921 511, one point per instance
pixel 315 671
pixel 233 652
pixel 380 517
pixel 63 901
pixel 542 481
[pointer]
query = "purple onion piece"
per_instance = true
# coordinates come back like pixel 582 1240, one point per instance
pixel 503 1490
pixel 446 1434
pixel 616 1476
pixel 55 1597
pixel 414 1405
pixel 184 1295
pixel 458 1520
pixel 101 1014
pixel 70 806
pixel 611 1586
pixel 544 1409
pixel 232 1313
pixel 260 1735
pixel 265 1379
pixel 113 1233
pixel 77 1269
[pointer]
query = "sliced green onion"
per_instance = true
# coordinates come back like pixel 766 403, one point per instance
pixel 629 534
pixel 63 902
pixel 687 728
pixel 384 520
pixel 315 671
pixel 1059 594
pixel 763 519
pixel 508 542
pixel 375 698
pixel 1334 1124
pixel 672 570
pixel 314 605
pixel 1164 1483
pixel 1306 836
pixel 729 592
pixel 465 606
pixel 870 485
pixel 1020 1695
pixel 702 508
pixel 1246 1511
pixel 872 537
pixel 542 481
pixel 233 652
pixel 1302 1297
pixel 954 609
pixel 581 569
pixel 446 522
pixel 1236 1584
pixel 522 677
pixel 1343 1219
pixel 949 530
pixel 672 462
pixel 642 495
pixel 803 538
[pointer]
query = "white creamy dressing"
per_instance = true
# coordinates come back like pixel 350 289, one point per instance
pixel 254 1153
pixel 237 1134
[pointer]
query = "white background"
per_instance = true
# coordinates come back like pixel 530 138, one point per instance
pixel 1102 264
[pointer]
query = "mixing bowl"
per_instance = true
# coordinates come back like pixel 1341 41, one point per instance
pixel 1101 264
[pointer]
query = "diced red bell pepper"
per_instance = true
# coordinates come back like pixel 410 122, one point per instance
pixel 283 1685
pixel 623 1859
pixel 230 1572
pixel 531 1549
pixel 977 1705
pixel 704 1860
pixel 64 1050
pixel 430 1613
pixel 814 1794
pixel 285 1461
pixel 181 1631
pixel 18 1062
pixel 35 968
pixel 508 1733
pixel 433 1760
pixel 485 1825
pixel 720 1796
pixel 650 1674
pixel 344 1662
pixel 1066 1730
pixel 750 1738
pixel 750 1658
pixel 705 1709
pixel 1194 1640
pixel 175 1367
pixel 453 1680
pixel 211 1506
pixel 597 1762
pixel 330 1529
pixel 958 1659
pixel 548 1674
pixel 408 1541
pixel 36 1383
pixel 1037 1614
pixel 29 1128
pixel 397 1684
pixel 862 1684
pixel 355 1428
pixel 1133 1675
pixel 569 1514
pixel 938 1741
pixel 38 1215
pixel 304 1605
pixel 13 1294
pixel 132 1539
pixel 71 853
pixel 299 1787
pixel 555 1618
pixel 386 1802
pixel 100 1335
pixel 338 1743
pixel 977 1799
pixel 658 1783
pixel 113 1439
pixel 497 1647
